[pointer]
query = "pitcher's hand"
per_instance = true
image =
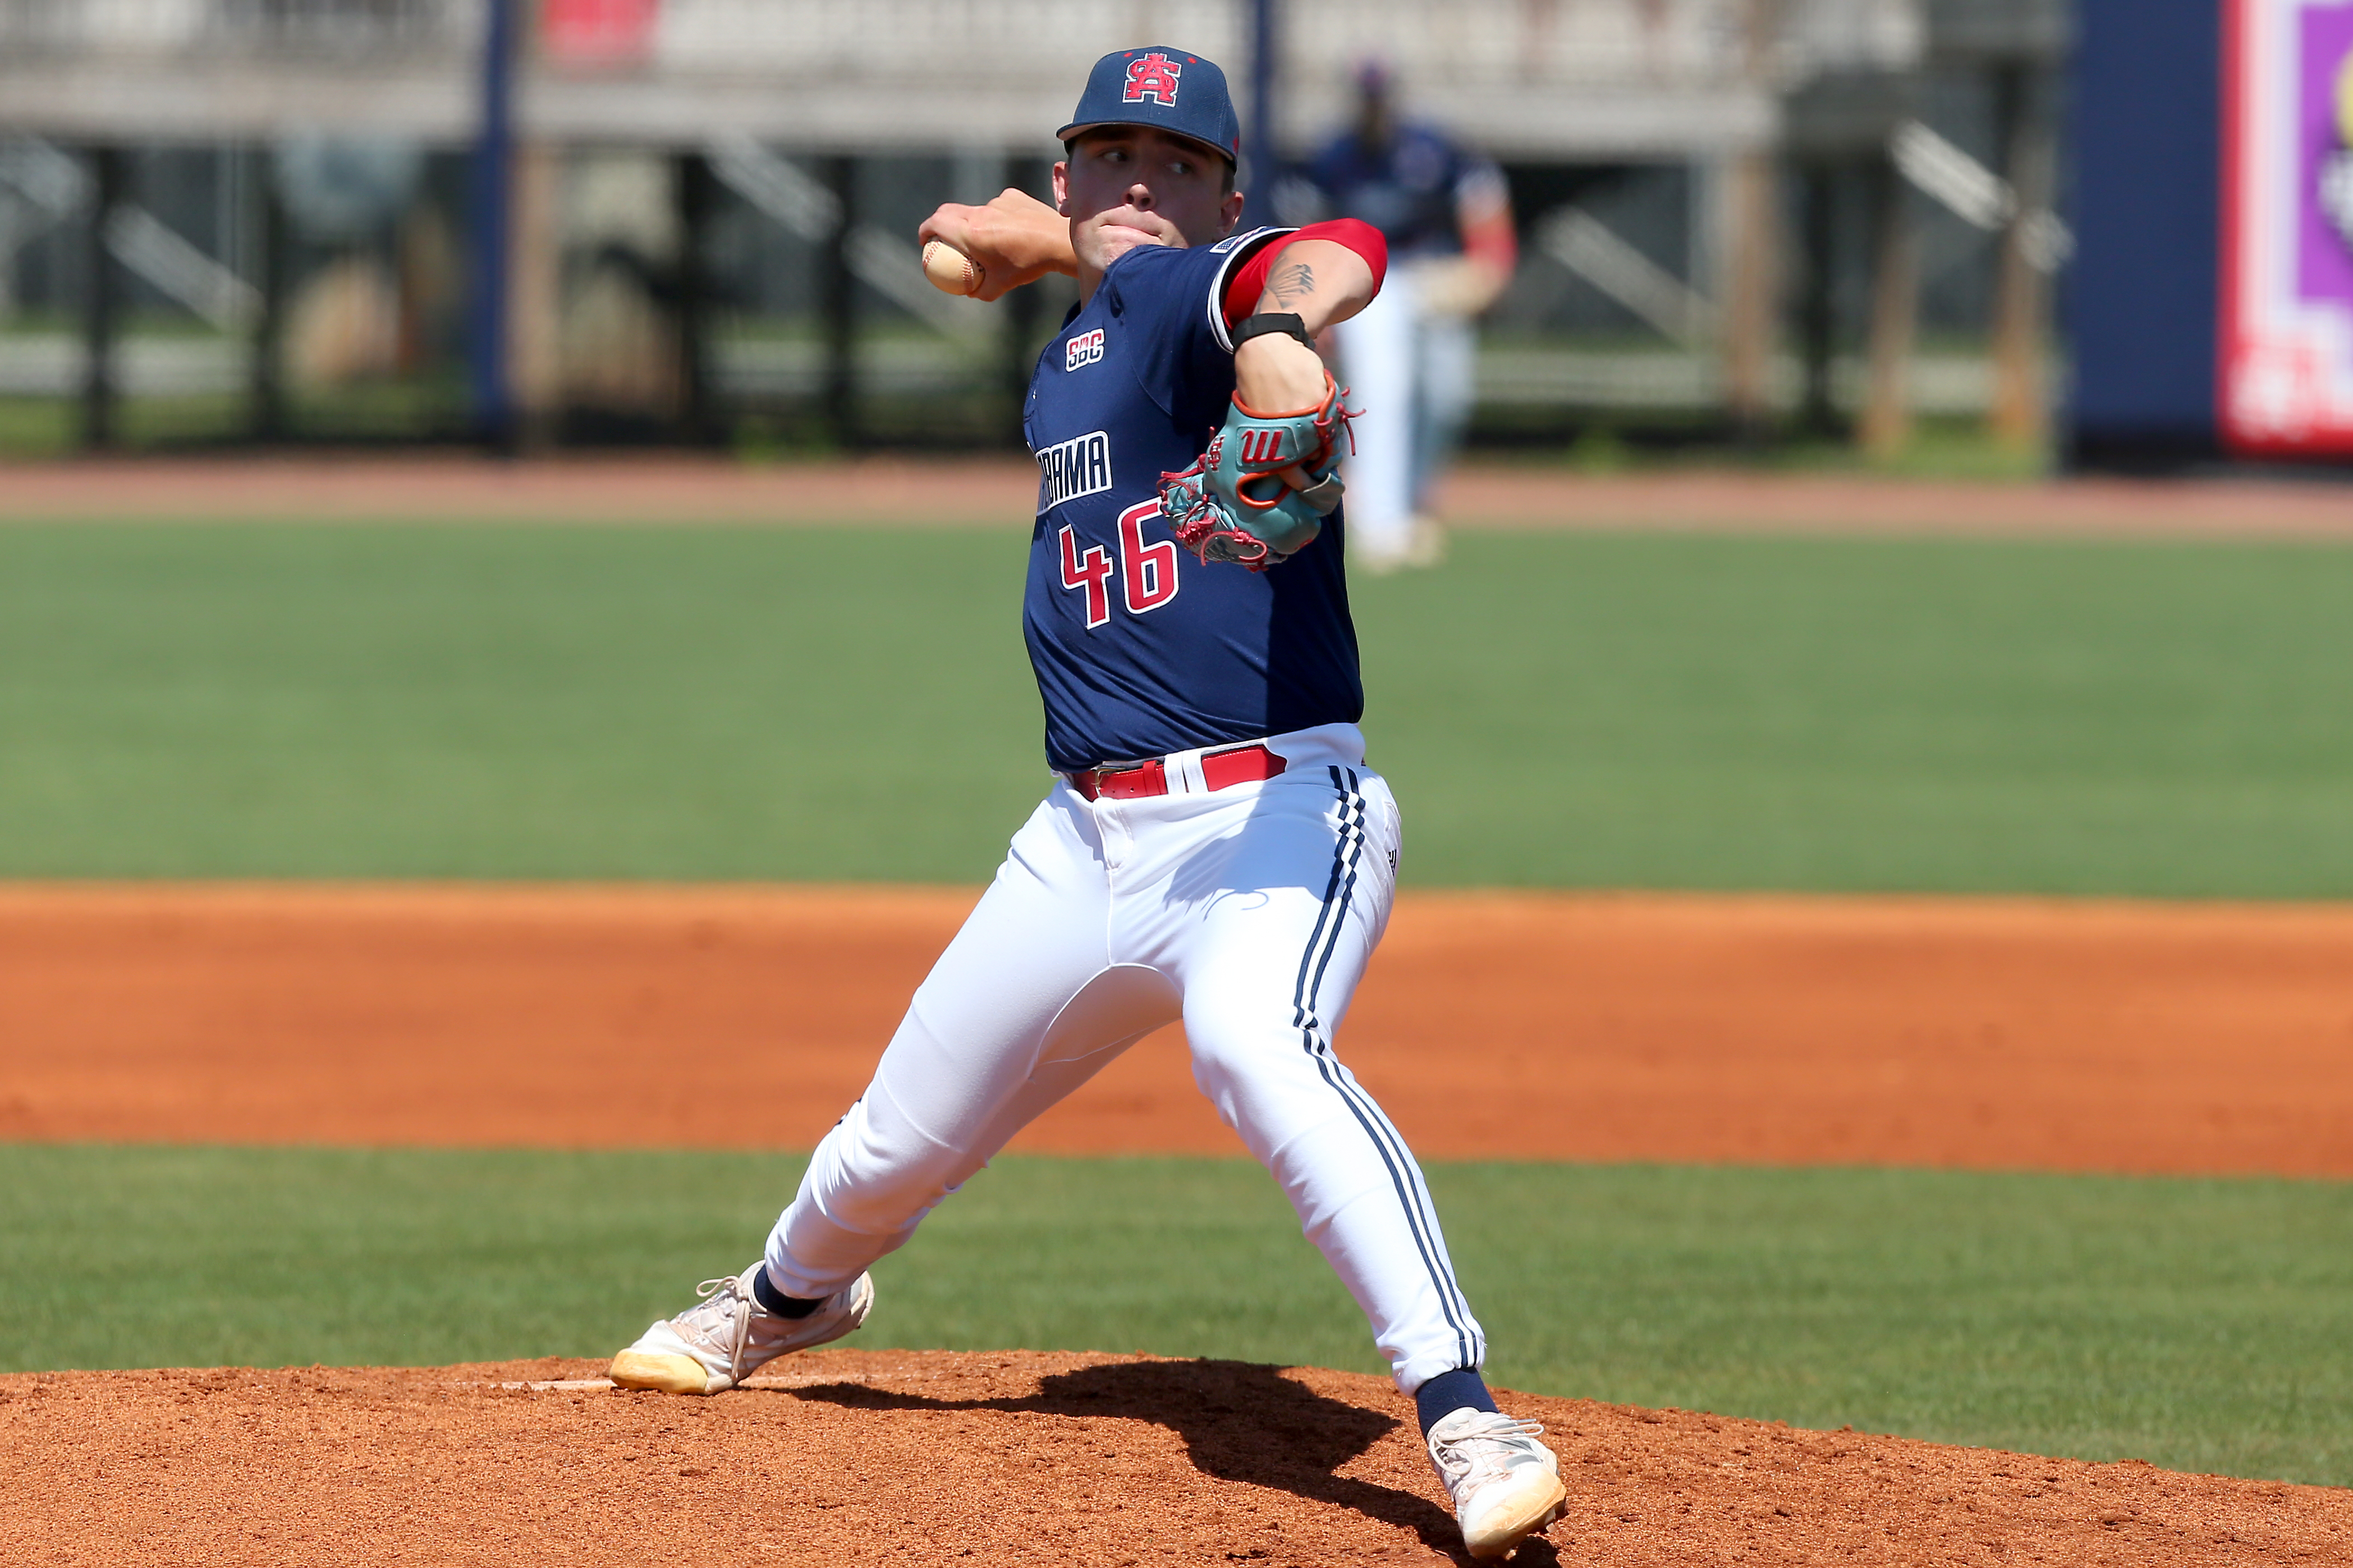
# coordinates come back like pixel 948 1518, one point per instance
pixel 1016 238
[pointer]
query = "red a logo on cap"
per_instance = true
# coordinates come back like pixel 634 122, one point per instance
pixel 1153 76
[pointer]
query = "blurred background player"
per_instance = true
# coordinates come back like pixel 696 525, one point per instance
pixel 1410 357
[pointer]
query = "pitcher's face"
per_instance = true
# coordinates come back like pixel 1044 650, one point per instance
pixel 1129 185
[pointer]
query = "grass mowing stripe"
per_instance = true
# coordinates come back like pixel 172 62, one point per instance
pixel 2200 1324
pixel 1717 713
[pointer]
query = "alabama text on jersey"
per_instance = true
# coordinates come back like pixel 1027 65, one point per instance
pixel 1069 469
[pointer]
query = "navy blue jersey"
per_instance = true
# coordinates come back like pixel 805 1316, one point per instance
pixel 1139 648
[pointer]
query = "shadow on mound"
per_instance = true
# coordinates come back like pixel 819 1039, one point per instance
pixel 1240 1422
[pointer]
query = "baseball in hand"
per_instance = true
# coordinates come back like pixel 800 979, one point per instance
pixel 950 270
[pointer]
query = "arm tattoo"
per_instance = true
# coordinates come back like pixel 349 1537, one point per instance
pixel 1293 281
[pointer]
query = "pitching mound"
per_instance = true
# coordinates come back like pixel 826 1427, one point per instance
pixel 1017 1457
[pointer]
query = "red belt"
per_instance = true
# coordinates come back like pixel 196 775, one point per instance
pixel 1219 770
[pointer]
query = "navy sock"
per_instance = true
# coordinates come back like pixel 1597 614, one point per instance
pixel 1448 1391
pixel 777 1301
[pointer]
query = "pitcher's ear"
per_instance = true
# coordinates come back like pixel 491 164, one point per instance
pixel 1230 214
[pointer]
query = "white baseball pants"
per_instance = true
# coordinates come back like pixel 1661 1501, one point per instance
pixel 1414 372
pixel 1249 913
pixel 1379 350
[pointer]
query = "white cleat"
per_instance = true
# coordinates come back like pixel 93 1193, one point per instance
pixel 1506 1485
pixel 730 1336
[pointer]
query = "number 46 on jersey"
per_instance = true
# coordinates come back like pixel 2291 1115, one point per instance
pixel 1147 573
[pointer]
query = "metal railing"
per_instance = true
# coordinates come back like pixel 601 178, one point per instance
pixel 942 42
pixel 1584 42
pixel 132 29
pixel 913 53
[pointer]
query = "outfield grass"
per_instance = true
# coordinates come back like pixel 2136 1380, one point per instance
pixel 1563 710
pixel 2204 1325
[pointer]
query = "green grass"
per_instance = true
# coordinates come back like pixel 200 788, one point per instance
pixel 1554 710
pixel 1939 448
pixel 422 409
pixel 512 702
pixel 2204 1325
pixel 1925 714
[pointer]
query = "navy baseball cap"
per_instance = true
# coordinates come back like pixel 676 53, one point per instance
pixel 1165 89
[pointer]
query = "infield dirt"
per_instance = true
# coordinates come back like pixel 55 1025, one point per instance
pixel 1991 1034
pixel 1975 1033
pixel 1001 492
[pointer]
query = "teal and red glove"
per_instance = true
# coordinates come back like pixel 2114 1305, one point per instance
pixel 1235 502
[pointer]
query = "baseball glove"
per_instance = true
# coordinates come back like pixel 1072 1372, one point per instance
pixel 1234 503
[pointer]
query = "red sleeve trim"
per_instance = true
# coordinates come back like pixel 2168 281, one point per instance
pixel 1249 280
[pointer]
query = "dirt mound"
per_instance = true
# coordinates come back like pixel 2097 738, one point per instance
pixel 1013 1457
pixel 1997 1033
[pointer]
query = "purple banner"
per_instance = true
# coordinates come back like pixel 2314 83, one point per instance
pixel 2324 124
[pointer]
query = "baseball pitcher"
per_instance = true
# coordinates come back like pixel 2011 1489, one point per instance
pixel 1214 848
